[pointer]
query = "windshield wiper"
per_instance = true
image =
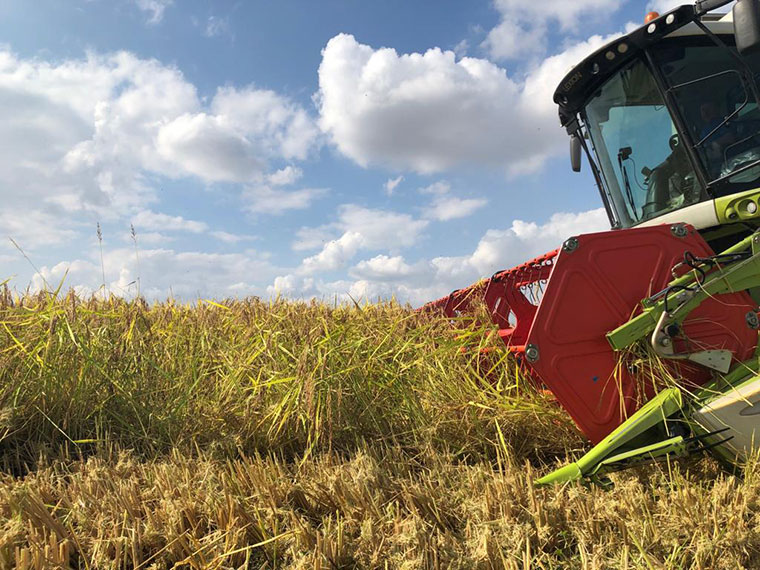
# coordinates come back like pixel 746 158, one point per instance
pixel 623 155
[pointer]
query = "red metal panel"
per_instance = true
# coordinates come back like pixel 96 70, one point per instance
pixel 597 287
pixel 506 297
pixel 511 296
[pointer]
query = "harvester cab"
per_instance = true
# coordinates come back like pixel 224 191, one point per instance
pixel 668 117
pixel 647 334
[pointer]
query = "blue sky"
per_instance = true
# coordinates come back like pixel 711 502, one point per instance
pixel 307 149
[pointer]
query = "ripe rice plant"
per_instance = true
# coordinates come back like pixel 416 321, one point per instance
pixel 281 434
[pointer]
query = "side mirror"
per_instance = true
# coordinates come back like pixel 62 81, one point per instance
pixel 747 26
pixel 575 153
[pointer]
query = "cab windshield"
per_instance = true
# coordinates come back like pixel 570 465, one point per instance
pixel 643 159
pixel 644 165
pixel 712 92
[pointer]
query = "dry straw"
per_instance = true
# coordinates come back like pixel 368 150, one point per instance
pixel 301 435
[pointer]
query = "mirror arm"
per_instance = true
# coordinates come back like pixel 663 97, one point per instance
pixel 702 7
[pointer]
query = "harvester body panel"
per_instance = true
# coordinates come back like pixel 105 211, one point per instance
pixel 737 413
pixel 596 287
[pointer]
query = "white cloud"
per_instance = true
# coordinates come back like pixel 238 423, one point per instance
pixel 164 273
pixel 33 228
pixel 523 27
pixel 391 184
pixel 510 39
pixel 444 208
pixel 436 188
pixel 242 131
pixel 227 237
pixel 285 176
pixel 91 128
pixel 431 112
pixel 381 229
pixel 461 48
pixel 206 147
pixel 263 199
pixel 499 249
pixel 279 126
pixel 152 238
pixel 313 238
pixel 147 220
pixel 89 139
pixel 157 221
pixel 425 280
pixel 540 84
pixel 357 229
pixel 385 268
pixel 335 254
pixel 293 286
pixel 155 9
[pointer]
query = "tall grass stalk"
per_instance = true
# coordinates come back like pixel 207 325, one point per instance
pixel 246 433
pixel 278 377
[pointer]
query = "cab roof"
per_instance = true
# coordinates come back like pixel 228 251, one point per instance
pixel 586 77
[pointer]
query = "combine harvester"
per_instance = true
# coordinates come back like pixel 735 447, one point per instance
pixel 669 119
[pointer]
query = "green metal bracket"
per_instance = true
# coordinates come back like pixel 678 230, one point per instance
pixel 645 436
pixel 688 278
pixel 618 450
pixel 736 277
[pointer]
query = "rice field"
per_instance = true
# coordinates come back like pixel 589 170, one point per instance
pixel 253 434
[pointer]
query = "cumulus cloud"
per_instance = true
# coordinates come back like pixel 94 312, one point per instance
pixel 285 176
pixel 101 122
pixel 522 29
pixel 187 275
pixel 510 39
pixel 438 188
pixel 204 146
pixel 525 240
pixel 149 220
pixel 427 279
pixel 381 229
pixel 90 138
pixel 386 269
pixel 308 239
pixel 501 249
pixel 279 126
pixel 293 286
pixel 432 112
pixel 444 208
pixel 357 229
pixel 263 199
pixel 32 228
pixel 227 237
pixel 233 142
pixel 335 253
